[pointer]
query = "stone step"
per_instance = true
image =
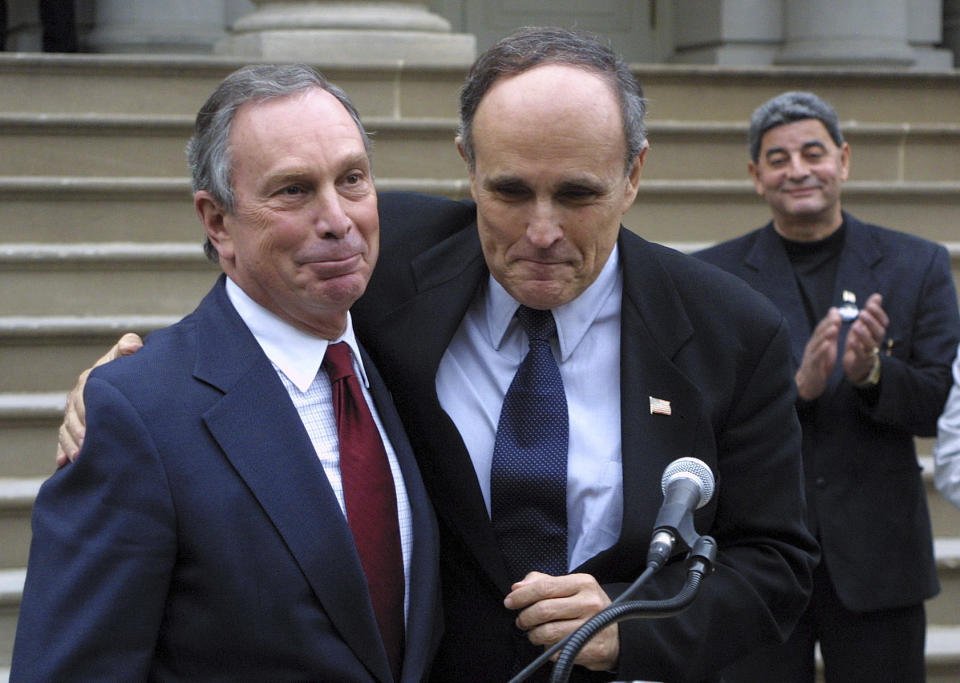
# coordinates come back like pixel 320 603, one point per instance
pixel 43 144
pixel 866 95
pixel 170 84
pixel 28 432
pixel 58 209
pixel 713 210
pixel 943 654
pixel 881 152
pixel 944 516
pixel 945 607
pixel 11 588
pixel 50 280
pixel 45 353
pixel 16 503
pixel 94 145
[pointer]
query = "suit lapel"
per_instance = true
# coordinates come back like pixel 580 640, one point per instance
pixel 773 275
pixel 262 436
pixel 855 273
pixel 447 277
pixel 654 327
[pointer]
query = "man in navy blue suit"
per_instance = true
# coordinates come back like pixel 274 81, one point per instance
pixel 872 315
pixel 204 533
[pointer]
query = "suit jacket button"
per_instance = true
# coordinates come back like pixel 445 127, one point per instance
pixel 820 482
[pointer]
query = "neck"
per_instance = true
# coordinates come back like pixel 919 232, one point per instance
pixel 810 230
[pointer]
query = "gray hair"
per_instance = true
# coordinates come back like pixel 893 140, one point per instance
pixel 787 108
pixel 529 47
pixel 208 151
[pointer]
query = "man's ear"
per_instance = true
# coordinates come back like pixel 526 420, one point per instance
pixel 470 168
pixel 845 161
pixel 212 217
pixel 633 178
pixel 463 155
pixel 754 173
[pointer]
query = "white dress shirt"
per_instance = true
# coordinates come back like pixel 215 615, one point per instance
pixel 479 364
pixel 297 356
pixel 946 452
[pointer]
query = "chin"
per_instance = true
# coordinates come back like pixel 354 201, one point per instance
pixel 543 299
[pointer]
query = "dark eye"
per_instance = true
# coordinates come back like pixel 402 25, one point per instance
pixel 578 194
pixel 511 191
pixel 352 178
pixel 293 190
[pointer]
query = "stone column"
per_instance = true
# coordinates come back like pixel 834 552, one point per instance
pixel 355 33
pixel 925 32
pixel 728 32
pixel 951 29
pixel 157 26
pixel 827 32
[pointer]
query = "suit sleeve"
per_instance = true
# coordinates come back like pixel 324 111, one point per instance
pixel 914 386
pixel 763 577
pixel 101 556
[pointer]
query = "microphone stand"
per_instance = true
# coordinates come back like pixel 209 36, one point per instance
pixel 699 564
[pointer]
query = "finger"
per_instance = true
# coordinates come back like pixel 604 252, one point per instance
pixel 76 413
pixel 550 633
pixel 599 653
pixel 62 458
pixel 579 606
pixel 536 586
pixel 128 344
pixel 68 445
pixel 873 325
pixel 830 323
pixel 862 340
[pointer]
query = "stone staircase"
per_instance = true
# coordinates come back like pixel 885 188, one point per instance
pixel 98 234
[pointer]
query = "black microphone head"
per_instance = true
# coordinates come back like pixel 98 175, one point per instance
pixel 693 469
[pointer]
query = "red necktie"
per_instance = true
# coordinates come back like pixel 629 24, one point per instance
pixel 371 500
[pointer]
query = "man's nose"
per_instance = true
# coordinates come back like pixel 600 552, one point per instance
pixel 331 219
pixel 544 226
pixel 798 167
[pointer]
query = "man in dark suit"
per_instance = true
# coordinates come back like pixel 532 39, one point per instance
pixel 211 530
pixel 659 357
pixel 873 326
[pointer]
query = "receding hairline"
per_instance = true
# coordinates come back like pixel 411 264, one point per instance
pixel 613 107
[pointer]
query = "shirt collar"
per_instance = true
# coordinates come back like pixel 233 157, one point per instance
pixel 296 353
pixel 573 319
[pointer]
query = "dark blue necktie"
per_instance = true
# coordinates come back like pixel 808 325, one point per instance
pixel 528 477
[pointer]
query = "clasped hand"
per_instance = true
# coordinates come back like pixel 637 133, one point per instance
pixel 552 607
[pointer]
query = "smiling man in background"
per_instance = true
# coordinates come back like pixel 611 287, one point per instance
pixel 873 328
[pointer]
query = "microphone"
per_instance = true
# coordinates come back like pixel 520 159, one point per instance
pixel 687 485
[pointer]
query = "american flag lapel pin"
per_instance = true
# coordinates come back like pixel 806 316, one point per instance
pixel 659 406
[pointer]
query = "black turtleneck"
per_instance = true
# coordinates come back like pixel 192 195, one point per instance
pixel 815 267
